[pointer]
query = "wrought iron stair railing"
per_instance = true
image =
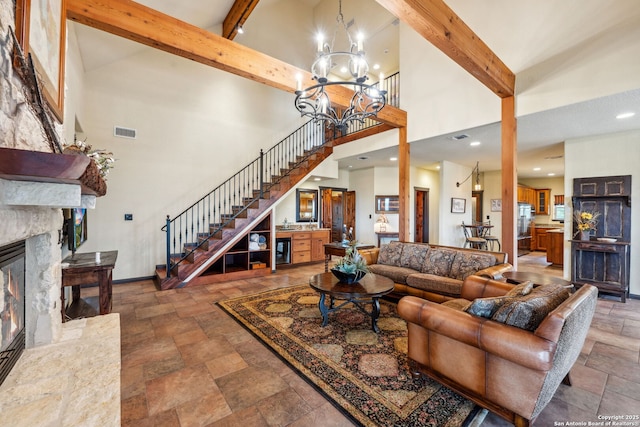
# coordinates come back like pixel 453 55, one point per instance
pixel 206 218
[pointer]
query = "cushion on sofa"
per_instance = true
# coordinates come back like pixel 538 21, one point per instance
pixel 395 273
pixel 413 255
pixel 526 312
pixel 438 261
pixel 433 283
pixel 521 289
pixel 467 263
pixel 390 253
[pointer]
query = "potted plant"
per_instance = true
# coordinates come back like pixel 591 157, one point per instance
pixel 352 267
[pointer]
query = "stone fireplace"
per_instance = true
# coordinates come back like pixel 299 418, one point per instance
pixel 68 374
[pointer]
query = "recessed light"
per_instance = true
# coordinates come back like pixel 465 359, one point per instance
pixel 537 169
pixel 551 174
pixel 625 115
pixel 317 179
pixel 376 66
pixel 393 159
pixel 350 166
pixel 474 143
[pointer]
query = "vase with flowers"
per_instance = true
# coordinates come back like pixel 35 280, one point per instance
pixel 352 267
pixel 586 222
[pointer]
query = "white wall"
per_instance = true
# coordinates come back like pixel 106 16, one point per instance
pixel 196 126
pixel 605 155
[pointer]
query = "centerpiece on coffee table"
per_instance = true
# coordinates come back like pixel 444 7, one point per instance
pixel 352 267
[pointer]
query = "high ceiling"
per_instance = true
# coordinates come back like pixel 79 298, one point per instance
pixel 548 29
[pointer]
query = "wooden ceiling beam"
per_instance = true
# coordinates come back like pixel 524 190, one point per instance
pixel 236 17
pixel 150 27
pixel 439 25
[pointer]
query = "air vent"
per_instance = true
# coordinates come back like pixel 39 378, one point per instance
pixel 124 132
pixel 459 137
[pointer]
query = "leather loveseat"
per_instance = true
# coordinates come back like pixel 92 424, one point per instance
pixel 512 357
pixel 433 272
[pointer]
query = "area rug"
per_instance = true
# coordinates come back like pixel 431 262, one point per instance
pixel 365 374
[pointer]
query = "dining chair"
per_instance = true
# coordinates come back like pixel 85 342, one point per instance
pixel 484 230
pixel 472 241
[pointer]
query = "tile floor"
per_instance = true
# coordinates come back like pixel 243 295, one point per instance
pixel 186 363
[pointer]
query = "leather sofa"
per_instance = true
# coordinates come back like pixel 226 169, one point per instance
pixel 512 370
pixel 432 272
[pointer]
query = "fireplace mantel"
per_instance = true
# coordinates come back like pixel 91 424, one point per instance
pixel 37 166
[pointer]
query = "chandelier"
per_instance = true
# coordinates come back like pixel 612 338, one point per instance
pixel 314 101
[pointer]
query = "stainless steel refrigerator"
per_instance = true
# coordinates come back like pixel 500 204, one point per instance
pixel 525 222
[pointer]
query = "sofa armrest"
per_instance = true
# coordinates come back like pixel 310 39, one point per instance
pixel 507 342
pixel 370 255
pixel 494 272
pixel 475 287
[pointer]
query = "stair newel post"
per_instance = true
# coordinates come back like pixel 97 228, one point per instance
pixel 168 246
pixel 261 173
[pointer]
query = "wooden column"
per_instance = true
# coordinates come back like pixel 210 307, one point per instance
pixel 404 164
pixel 509 180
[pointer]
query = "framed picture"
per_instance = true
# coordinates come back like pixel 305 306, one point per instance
pixel 458 205
pixel 41 31
pixel 496 205
pixel 387 204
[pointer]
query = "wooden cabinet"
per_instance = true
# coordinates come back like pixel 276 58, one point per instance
pixel 604 264
pixel 308 246
pixel 318 239
pixel 555 247
pixel 300 247
pixel 526 195
pixel 541 239
pixel 542 202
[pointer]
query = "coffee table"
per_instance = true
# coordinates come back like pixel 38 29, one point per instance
pixel 516 277
pixel 367 291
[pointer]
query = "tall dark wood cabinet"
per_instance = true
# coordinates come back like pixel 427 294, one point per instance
pixel 604 260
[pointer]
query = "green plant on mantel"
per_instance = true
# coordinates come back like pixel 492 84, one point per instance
pixel 103 159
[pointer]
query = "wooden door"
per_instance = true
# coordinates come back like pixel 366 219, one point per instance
pixel 421 216
pixel 327 217
pixel 350 211
pixel 337 216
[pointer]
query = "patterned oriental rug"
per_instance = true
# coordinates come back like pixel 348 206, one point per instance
pixel 365 374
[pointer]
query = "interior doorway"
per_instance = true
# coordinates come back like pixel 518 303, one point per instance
pixel 421 211
pixel 476 206
pixel 338 210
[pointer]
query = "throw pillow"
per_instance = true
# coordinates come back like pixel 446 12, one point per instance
pixel 467 263
pixel 526 312
pixel 438 261
pixel 413 255
pixel 486 307
pixel 390 254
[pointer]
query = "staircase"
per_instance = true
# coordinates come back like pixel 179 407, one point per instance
pixel 199 235
pixel 202 233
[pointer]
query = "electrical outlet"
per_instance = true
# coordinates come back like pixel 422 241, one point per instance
pixel 128 217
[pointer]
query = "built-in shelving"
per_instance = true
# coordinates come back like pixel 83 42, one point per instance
pixel 243 259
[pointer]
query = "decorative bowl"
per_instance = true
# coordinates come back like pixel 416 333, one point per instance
pixel 606 239
pixel 348 278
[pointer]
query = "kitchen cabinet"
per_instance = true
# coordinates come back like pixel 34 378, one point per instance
pixel 542 202
pixel 526 195
pixel 555 246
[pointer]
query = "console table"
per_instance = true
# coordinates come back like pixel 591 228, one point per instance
pixel 387 235
pixel 83 268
